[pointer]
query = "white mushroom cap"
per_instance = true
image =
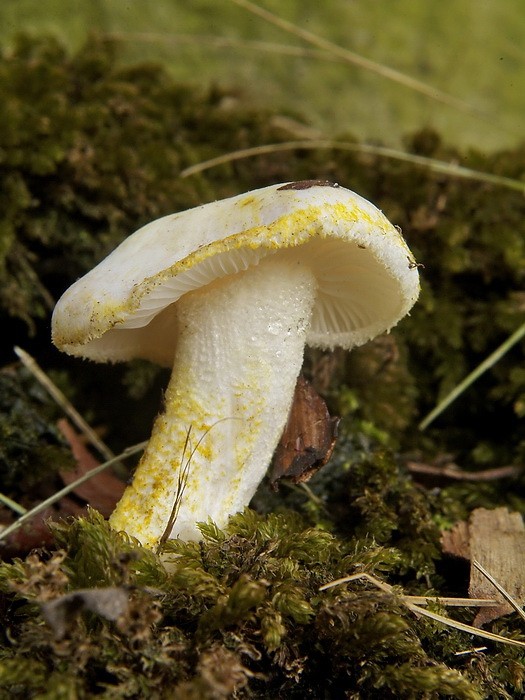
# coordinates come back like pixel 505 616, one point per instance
pixel 366 278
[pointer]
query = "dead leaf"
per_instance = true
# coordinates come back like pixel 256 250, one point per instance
pixel 101 492
pixel 104 490
pixel 308 439
pixel 36 533
pixel 496 539
pixel 110 603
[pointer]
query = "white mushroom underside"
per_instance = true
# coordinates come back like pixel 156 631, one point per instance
pixel 240 343
pixel 356 296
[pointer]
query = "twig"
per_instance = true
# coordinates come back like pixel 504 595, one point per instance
pixel 452 471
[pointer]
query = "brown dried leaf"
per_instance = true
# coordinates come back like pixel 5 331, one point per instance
pixel 308 439
pixel 104 490
pixel 35 532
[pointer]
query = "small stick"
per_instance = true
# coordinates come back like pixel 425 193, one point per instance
pixel 452 471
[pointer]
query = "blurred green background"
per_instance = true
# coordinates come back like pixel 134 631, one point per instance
pixel 471 50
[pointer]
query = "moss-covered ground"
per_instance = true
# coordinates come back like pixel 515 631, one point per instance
pixel 476 77
pixel 89 151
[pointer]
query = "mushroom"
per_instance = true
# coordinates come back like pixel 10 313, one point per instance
pixel 228 294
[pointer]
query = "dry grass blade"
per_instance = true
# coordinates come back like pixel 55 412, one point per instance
pixel 227 42
pixel 13 505
pixel 473 376
pixel 183 475
pixel 356 59
pixel 416 599
pixel 68 408
pixel 408 601
pixel 69 488
pixel 462 627
pixel 474 650
pixel 182 480
pixel 432 164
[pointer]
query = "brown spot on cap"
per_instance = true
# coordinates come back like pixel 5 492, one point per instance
pixel 306 184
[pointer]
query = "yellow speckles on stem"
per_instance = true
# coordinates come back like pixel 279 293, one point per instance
pixel 232 384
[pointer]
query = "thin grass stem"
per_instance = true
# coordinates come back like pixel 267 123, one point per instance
pixel 417 609
pixel 227 42
pixel 432 164
pixel 69 488
pixel 13 505
pixel 473 376
pixel 510 600
pixel 356 59
pixel 31 364
pixel 183 475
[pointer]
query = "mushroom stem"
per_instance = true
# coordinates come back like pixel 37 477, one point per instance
pixel 240 344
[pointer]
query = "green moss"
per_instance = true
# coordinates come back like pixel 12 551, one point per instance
pixel 366 497
pixel 31 447
pixel 239 612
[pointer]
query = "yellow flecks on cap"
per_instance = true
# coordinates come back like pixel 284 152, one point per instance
pixel 334 220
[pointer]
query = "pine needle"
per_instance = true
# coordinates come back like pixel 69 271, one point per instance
pixel 517 607
pixel 32 366
pixel 355 58
pixel 13 505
